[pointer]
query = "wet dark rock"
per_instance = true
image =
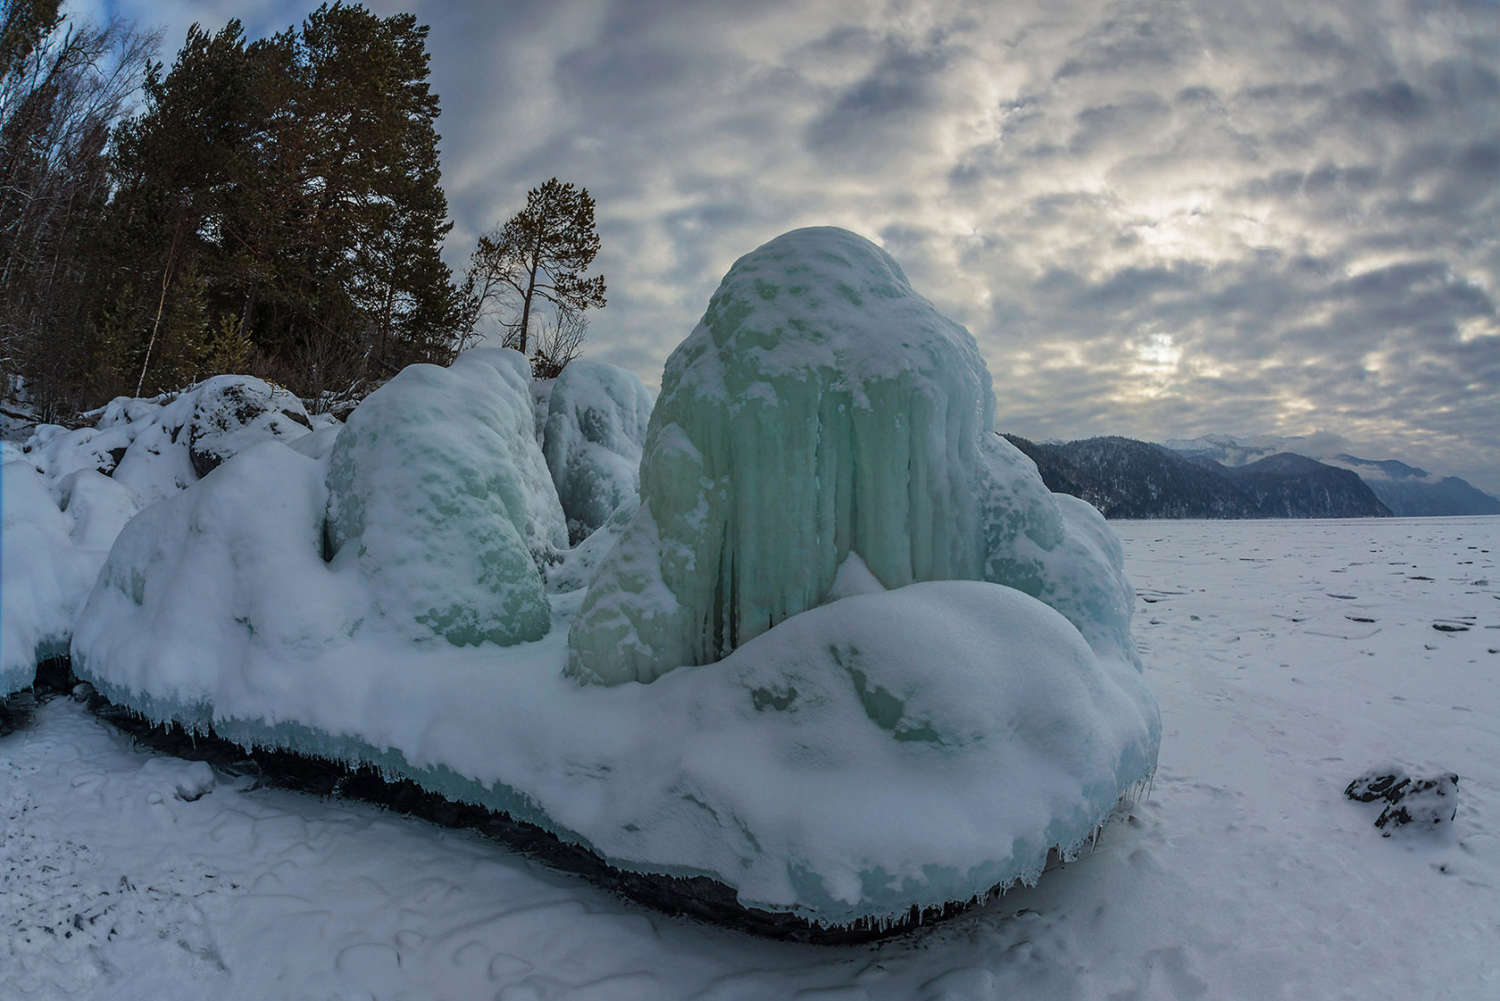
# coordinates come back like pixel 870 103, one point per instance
pixel 15 711
pixel 54 676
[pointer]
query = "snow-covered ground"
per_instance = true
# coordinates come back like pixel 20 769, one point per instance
pixel 1288 658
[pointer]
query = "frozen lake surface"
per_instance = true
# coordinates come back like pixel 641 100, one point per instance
pixel 1288 658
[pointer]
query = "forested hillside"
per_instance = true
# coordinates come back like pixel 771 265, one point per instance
pixel 270 206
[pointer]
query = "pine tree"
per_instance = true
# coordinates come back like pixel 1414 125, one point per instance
pixel 540 254
pixel 298 175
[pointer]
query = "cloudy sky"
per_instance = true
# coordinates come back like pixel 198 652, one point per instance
pixel 1158 219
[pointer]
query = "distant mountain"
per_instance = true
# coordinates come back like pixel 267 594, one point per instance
pixel 1406 490
pixel 1286 485
pixel 1412 492
pixel 1125 478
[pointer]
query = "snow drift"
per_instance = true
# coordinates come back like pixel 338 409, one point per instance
pixel 941 690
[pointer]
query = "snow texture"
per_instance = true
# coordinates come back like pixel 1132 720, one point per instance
pixel 1245 874
pixel 437 491
pixel 908 744
pixel 840 766
pixel 596 423
pixel 56 535
pixel 822 407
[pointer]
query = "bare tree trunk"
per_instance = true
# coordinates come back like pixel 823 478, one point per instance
pixel 166 278
pixel 536 254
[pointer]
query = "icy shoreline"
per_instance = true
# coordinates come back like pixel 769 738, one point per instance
pixel 695 897
pixel 1247 873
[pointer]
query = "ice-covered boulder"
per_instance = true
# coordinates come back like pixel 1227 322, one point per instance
pixel 596 423
pixel 56 536
pixel 272 589
pixel 820 408
pixel 436 488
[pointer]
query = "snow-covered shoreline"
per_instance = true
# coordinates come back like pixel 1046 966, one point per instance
pixel 1246 874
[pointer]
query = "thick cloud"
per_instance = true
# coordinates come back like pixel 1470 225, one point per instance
pixel 1159 219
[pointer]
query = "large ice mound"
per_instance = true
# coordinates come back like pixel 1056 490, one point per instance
pixel 596 423
pixel 438 492
pixel 949 694
pixel 821 408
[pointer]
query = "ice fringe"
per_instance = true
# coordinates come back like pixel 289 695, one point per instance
pixel 672 893
pixel 893 793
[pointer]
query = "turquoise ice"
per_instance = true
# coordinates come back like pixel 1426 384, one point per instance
pixel 820 408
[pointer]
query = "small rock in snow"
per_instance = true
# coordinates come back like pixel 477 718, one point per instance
pixel 1424 802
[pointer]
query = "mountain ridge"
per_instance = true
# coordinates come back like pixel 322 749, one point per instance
pixel 1409 491
pixel 1128 478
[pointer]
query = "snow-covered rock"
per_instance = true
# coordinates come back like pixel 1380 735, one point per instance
pixel 596 423
pixel 56 536
pixel 231 413
pixel 160 445
pixel 438 492
pixel 820 408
